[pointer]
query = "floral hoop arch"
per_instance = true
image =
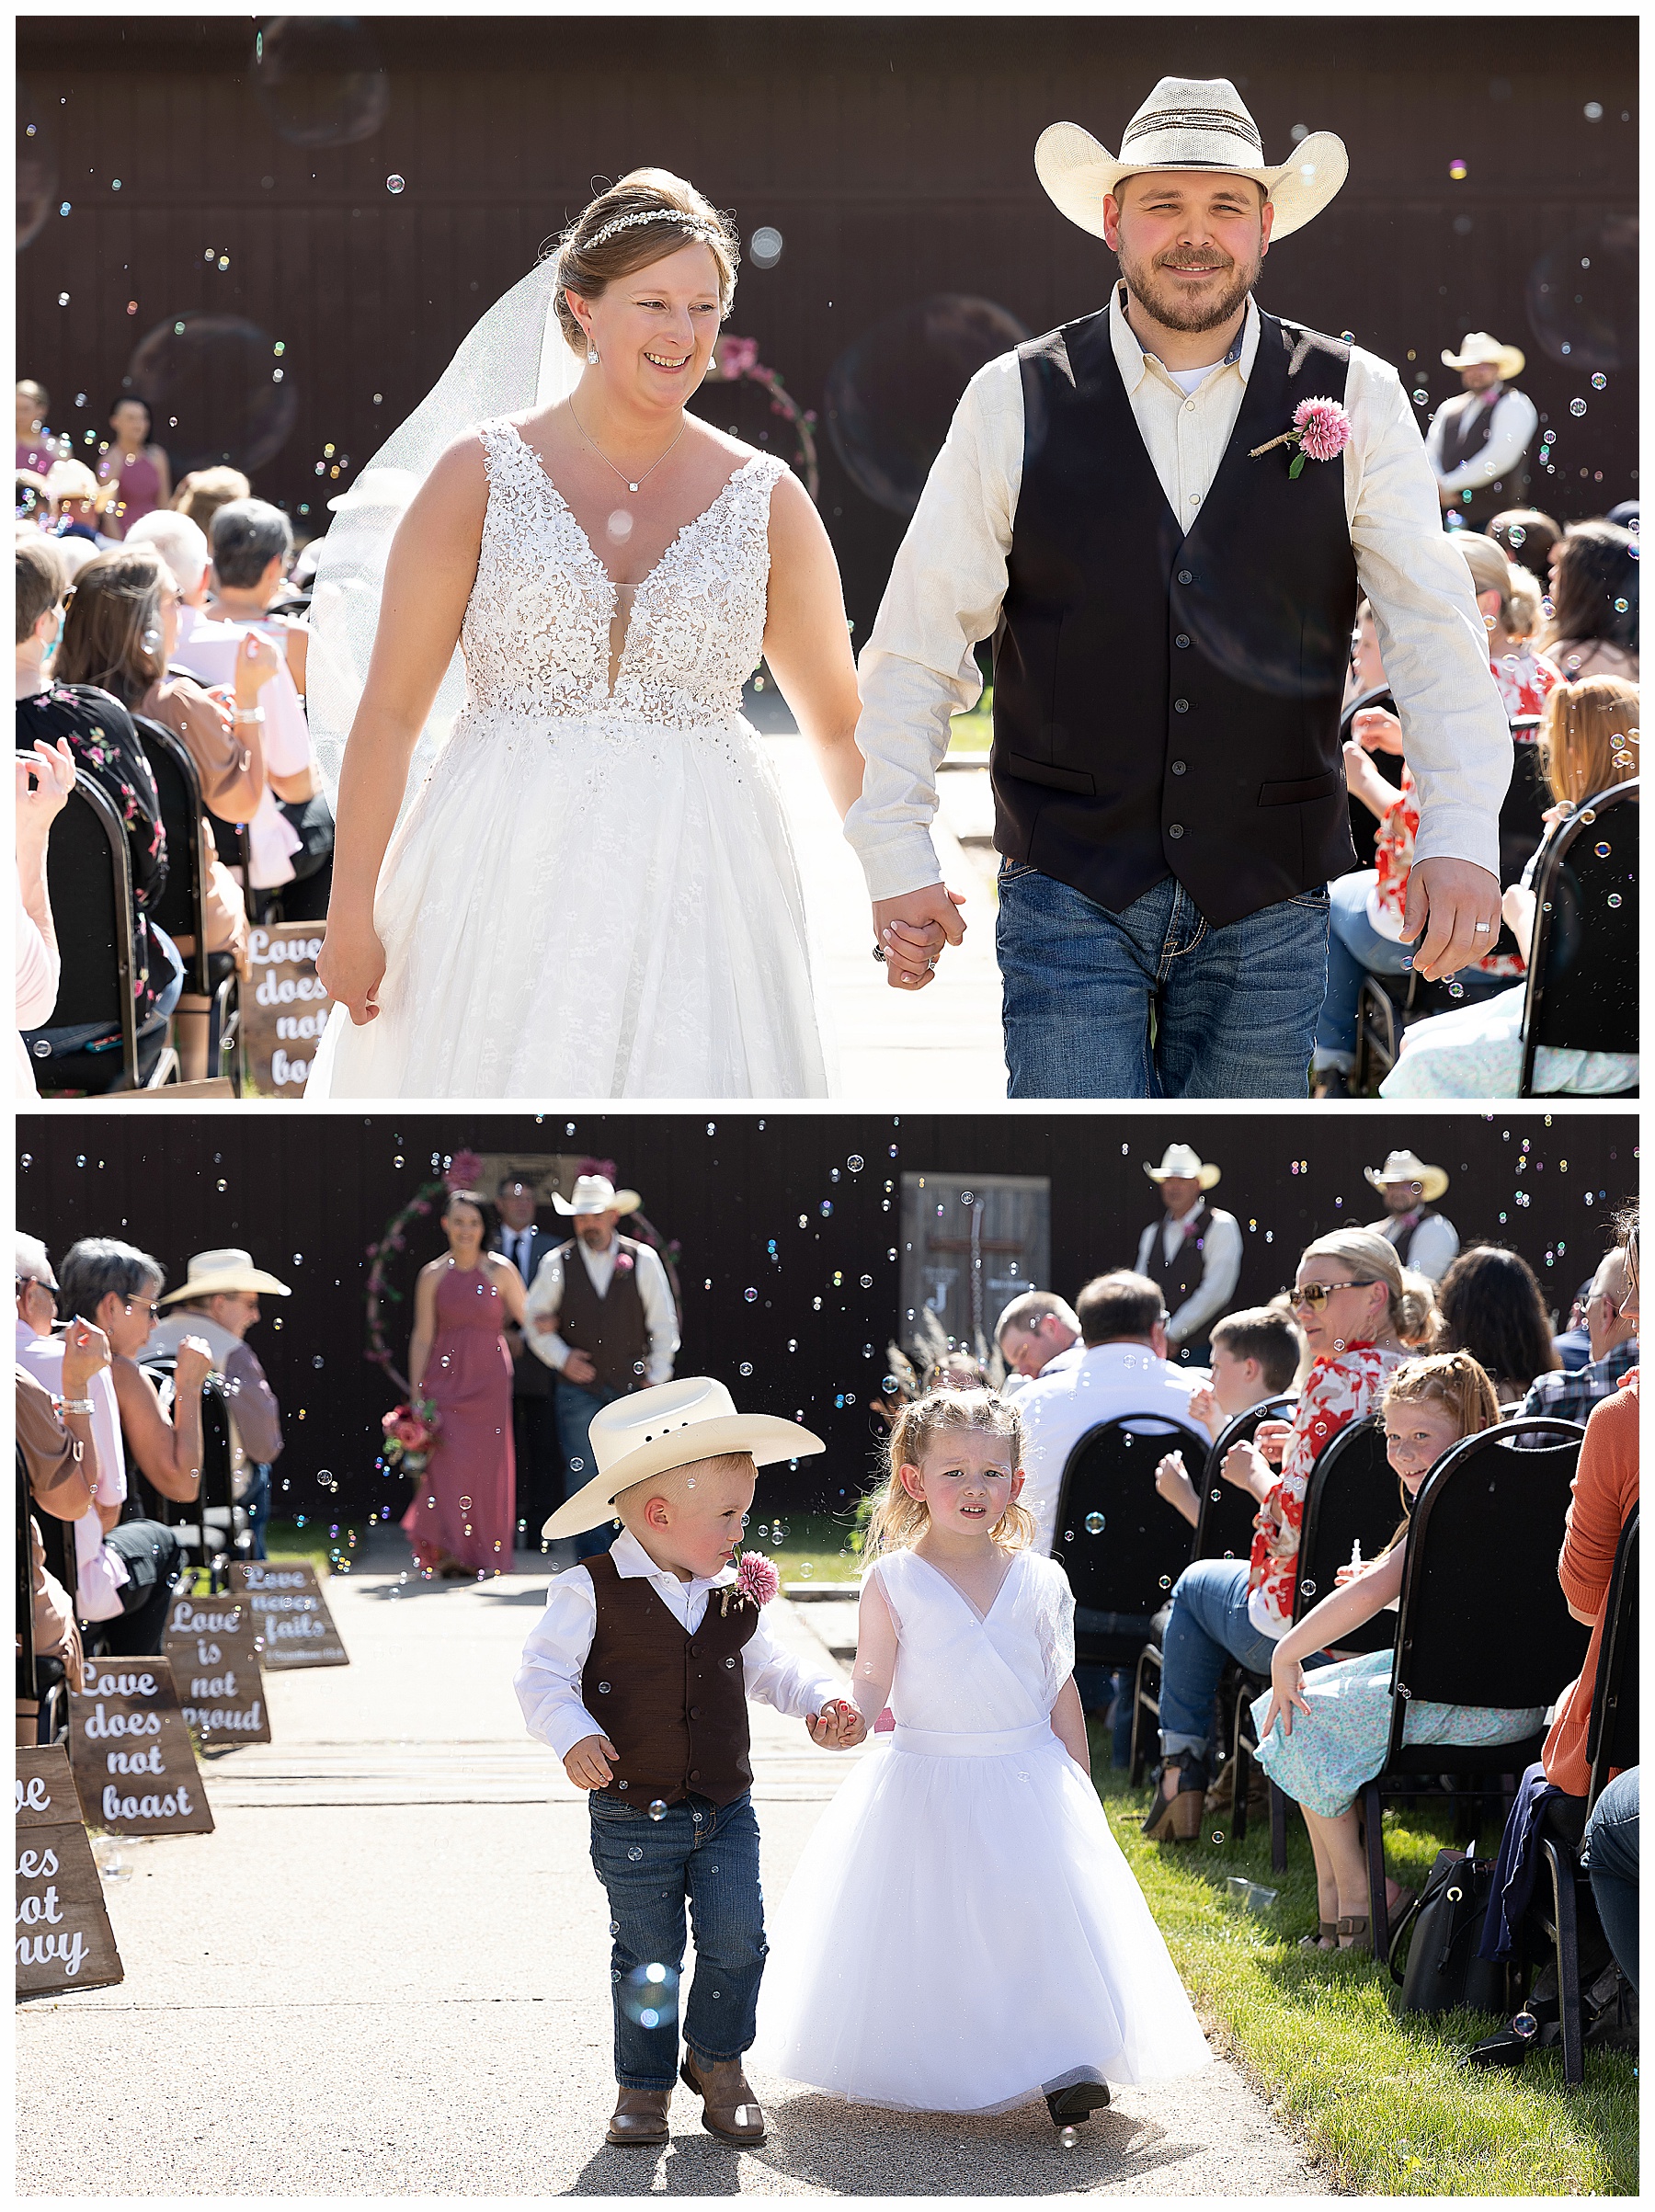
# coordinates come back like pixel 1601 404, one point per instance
pixel 735 361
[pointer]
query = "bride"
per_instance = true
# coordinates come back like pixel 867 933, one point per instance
pixel 592 893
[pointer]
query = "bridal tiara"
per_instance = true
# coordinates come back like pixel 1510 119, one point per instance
pixel 689 222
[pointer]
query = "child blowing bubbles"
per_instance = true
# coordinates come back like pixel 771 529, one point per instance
pixel 1340 1739
pixel 638 1675
pixel 1003 1951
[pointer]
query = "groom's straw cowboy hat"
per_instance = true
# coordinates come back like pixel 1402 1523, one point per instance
pixel 1183 1160
pixel 1189 123
pixel 1482 351
pixel 652 1432
pixel 213 1274
pixel 1409 1167
pixel 596 1195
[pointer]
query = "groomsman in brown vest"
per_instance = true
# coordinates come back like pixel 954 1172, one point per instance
pixel 1477 441
pixel 599 1311
pixel 1193 1252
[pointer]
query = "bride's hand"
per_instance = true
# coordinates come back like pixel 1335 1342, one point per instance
pixel 351 966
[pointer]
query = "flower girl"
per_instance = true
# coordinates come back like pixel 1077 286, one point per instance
pixel 963 1934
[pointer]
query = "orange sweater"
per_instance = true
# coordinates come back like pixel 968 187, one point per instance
pixel 1605 1490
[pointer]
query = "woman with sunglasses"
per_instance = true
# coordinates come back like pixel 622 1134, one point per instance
pixel 1359 1311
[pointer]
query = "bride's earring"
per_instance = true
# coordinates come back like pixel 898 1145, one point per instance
pixel 592 355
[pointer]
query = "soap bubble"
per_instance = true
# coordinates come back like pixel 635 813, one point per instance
pixel 747 1366
pixel 892 393
pixel 1456 169
pixel 1600 381
pixel 867 1282
pixel 1094 1525
pixel 397 184
pixel 210 373
pixel 751 1295
pixel 1614 898
pixel 764 248
pixel 1602 851
pixel 657 1812
pixel 855 1163
pixel 1577 407
pixel 1068 2139
pixel 1580 292
pixel 318 79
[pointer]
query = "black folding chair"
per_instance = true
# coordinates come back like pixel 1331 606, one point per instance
pixel 1224 1531
pixel 90 883
pixel 213 1528
pixel 1583 967
pixel 1483 1621
pixel 41 1681
pixel 182 911
pixel 1121 1546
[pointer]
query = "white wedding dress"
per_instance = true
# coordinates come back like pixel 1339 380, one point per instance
pixel 962 1932
pixel 594 894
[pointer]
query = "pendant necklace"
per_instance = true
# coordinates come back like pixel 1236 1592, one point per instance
pixel 608 463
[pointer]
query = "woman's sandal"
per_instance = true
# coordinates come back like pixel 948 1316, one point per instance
pixel 1355 1926
pixel 1325 1939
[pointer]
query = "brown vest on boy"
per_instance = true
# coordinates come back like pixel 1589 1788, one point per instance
pixel 673 1703
pixel 612 1330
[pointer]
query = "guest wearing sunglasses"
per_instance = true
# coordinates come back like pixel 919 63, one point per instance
pixel 114 1286
pixel 1359 1311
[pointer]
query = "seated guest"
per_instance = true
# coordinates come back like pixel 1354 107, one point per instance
pixel 1368 672
pixel 1490 1305
pixel 1588 742
pixel 114 1286
pixel 1335 1726
pixel 182 545
pixel 44 781
pixel 1255 1357
pixel 1573 1344
pixel 1356 1307
pixel 1036 1330
pixel 1593 626
pixel 1526 536
pixel 204 491
pixel 1610 1850
pixel 125 1566
pixel 77 503
pixel 37 448
pixel 1122 1370
pixel 1611 1318
pixel 61 1461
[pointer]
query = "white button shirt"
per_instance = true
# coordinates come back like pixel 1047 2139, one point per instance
pixel 660 1317
pixel 1108 1382
pixel 918 667
pixel 1514 422
pixel 98 1572
pixel 548 1681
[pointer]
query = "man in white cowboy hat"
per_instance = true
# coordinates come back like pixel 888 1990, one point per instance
pixel 1170 581
pixel 1425 1239
pixel 639 1682
pixel 1193 1252
pixel 599 1311
pixel 218 1301
pixel 1478 440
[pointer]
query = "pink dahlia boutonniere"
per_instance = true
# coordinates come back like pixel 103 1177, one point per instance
pixel 1321 430
pixel 756 1583
pixel 623 1263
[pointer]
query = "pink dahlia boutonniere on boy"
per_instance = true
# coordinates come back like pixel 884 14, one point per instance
pixel 756 1583
pixel 1321 430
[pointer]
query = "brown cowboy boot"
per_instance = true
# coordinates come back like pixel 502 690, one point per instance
pixel 729 2108
pixel 640 2116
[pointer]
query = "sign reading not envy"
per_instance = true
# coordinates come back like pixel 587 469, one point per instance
pixel 134 1765
pixel 213 1644
pixel 64 1940
pixel 290 1612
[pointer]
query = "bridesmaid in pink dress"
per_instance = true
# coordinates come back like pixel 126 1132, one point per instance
pixel 463 1521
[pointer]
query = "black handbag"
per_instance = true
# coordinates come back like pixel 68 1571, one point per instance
pixel 1434 1949
pixel 311 822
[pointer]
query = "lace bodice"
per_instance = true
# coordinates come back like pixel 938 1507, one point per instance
pixel 536 633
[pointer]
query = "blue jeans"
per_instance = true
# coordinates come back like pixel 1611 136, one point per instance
pixel 699 1854
pixel 1234 1007
pixel 576 1403
pixel 1208 1624
pixel 1356 950
pixel 1611 1851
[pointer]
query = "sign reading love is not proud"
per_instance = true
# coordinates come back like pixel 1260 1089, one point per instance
pixel 290 1613
pixel 134 1765
pixel 213 1644
pixel 63 1939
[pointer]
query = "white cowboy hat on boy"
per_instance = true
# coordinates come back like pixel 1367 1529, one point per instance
pixel 1482 351
pixel 1183 1160
pixel 651 1432
pixel 1409 1167
pixel 1189 123
pixel 227 1270
pixel 596 1195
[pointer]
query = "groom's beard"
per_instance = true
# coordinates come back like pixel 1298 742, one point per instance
pixel 1173 307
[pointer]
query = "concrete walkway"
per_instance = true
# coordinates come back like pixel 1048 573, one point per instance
pixel 386 1974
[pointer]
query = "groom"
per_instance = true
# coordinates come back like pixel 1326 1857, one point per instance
pixel 1171 612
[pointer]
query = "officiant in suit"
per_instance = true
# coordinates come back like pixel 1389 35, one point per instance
pixel 521 1239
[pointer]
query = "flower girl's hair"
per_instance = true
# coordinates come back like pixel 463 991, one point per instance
pixel 1453 1379
pixel 898 1520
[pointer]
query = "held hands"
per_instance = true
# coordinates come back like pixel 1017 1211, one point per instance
pixel 586 1763
pixel 912 930
pixel 193 1365
pixel 86 1351
pixel 1457 905
pixel 838 1727
pixel 578 1367
pixel 351 966
pixel 1286 1695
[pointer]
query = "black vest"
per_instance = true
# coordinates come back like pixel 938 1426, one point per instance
pixel 1167 703
pixel 1462 437
pixel 1405 1243
pixel 1180 1277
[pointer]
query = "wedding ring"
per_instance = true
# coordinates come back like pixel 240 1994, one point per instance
pixel 879 954
pixel 1481 928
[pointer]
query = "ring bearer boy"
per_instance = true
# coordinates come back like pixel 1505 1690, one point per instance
pixel 638 1675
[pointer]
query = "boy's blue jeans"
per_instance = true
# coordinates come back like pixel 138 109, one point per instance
pixel 704 1857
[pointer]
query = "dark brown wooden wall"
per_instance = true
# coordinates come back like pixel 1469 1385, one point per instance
pixel 308 1195
pixel 894 155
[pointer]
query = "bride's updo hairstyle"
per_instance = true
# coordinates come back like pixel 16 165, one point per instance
pixel 897 1520
pixel 647 216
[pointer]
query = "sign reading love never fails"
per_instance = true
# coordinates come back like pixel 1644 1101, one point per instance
pixel 134 1765
pixel 290 1613
pixel 64 1937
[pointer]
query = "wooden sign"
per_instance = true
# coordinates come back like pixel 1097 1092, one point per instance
pixel 64 1940
pixel 213 1644
pixel 284 1011
pixel 134 1765
pixel 290 1613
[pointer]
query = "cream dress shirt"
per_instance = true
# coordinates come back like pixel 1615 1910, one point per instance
pixel 1221 1268
pixel 918 666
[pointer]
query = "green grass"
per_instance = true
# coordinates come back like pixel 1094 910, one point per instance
pixel 813 1546
pixel 287 1540
pixel 1382 2104
pixel 973 733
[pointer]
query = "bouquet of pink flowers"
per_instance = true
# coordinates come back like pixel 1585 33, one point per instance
pixel 410 1431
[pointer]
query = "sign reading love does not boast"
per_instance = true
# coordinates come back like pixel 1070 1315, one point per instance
pixel 284 1009
pixel 290 1613
pixel 213 1644
pixel 64 1937
pixel 134 1765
